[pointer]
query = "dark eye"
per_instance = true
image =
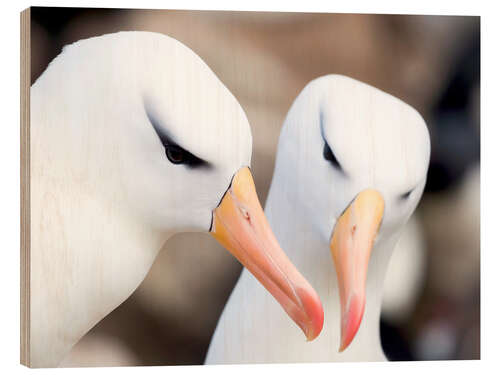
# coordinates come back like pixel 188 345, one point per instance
pixel 177 155
pixel 329 155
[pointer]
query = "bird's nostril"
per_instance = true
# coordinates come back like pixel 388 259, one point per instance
pixel 245 213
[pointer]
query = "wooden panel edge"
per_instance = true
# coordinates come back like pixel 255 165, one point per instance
pixel 25 70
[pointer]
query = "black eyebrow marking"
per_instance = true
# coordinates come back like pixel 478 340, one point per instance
pixel 161 132
pixel 167 141
pixel 327 150
pixel 406 195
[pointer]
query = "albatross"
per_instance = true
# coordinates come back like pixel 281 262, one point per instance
pixel 133 139
pixel 350 169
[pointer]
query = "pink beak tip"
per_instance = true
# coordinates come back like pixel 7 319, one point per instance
pixel 351 322
pixel 314 311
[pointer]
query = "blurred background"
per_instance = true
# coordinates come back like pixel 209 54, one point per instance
pixel 431 307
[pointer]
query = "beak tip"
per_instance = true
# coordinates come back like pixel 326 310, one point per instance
pixel 313 328
pixel 344 343
pixel 351 322
pixel 314 311
pixel 313 333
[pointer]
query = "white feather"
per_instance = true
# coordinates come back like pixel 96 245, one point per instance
pixel 381 143
pixel 104 197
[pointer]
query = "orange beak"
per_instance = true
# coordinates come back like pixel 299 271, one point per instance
pixel 351 246
pixel 240 225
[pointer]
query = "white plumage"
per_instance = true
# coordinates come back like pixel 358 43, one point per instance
pixel 381 144
pixel 107 187
pixel 103 196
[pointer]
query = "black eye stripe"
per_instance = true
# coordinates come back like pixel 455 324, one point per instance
pixel 327 151
pixel 406 195
pixel 330 156
pixel 175 153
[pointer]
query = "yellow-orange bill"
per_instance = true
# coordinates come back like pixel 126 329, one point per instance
pixel 240 225
pixel 351 245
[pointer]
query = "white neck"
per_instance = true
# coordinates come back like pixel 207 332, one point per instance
pixel 87 257
pixel 311 254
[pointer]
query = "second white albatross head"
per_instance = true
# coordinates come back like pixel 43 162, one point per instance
pixel 142 124
pixel 354 160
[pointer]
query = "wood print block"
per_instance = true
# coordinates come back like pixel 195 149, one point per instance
pixel 137 141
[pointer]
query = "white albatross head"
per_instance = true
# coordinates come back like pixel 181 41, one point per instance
pixel 139 122
pixel 355 159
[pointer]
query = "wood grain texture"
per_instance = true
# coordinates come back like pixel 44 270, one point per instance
pixel 264 142
pixel 25 185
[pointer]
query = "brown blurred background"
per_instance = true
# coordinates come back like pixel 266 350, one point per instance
pixel 265 59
